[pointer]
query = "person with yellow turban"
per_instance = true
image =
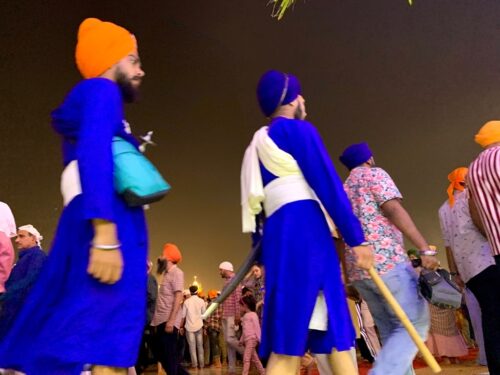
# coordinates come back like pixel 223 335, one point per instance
pixel 88 306
pixel 168 313
pixel 457 183
pixel 483 182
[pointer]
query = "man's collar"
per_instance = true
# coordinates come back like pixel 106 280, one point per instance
pixel 25 251
pixel 171 268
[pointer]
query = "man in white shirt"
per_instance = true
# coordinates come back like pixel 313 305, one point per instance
pixel 192 310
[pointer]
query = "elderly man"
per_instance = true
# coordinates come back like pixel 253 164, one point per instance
pixel 24 274
pixel 376 201
pixel 231 316
pixel 483 181
pixel 88 306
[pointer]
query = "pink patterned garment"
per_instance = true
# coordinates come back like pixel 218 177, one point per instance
pixel 367 189
pixel 6 259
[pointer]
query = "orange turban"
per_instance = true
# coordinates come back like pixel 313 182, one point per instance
pixel 100 46
pixel 488 134
pixel 172 253
pixel 457 182
pixel 212 293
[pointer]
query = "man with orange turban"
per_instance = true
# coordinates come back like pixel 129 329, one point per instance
pixel 168 313
pixel 88 306
pixel 468 252
pixel 483 181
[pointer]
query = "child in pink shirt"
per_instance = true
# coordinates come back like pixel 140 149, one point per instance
pixel 251 334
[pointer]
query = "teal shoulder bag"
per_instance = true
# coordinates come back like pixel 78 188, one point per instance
pixel 135 177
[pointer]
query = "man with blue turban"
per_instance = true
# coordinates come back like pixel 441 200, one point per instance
pixel 376 202
pixel 288 177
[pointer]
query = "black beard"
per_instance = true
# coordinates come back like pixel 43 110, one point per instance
pixel 129 93
pixel 299 114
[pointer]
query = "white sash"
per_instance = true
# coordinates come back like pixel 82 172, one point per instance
pixel 70 182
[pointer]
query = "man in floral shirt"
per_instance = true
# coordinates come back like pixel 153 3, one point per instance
pixel 376 201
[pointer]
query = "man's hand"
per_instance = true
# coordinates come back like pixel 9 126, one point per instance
pixel 458 280
pixel 429 261
pixel 106 265
pixel 169 327
pixel 364 256
pixel 181 331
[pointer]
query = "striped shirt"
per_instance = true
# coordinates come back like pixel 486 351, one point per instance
pixel 173 281
pixel 483 180
pixel 231 305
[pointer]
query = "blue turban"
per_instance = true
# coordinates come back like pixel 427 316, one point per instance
pixel 355 155
pixel 276 89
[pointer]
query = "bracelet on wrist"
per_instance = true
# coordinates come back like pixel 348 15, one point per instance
pixel 107 247
pixel 428 252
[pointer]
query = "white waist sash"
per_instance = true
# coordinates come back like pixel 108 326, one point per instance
pixel 70 182
pixel 287 189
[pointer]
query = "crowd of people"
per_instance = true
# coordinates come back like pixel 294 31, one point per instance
pixel 91 305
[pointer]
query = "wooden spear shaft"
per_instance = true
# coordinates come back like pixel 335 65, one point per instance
pixel 429 359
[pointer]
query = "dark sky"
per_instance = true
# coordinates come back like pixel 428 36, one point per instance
pixel 415 82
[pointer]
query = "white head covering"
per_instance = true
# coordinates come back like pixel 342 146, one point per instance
pixel 226 266
pixel 33 231
pixel 7 222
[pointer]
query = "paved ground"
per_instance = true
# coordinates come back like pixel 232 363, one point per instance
pixel 465 368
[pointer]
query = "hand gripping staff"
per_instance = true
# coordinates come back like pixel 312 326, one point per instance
pixel 403 318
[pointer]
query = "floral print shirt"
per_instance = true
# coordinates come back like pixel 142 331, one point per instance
pixel 368 189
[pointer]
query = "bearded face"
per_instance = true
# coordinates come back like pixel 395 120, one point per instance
pixel 300 111
pixel 129 86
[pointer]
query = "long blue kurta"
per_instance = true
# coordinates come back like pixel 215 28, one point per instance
pixel 299 253
pixel 70 319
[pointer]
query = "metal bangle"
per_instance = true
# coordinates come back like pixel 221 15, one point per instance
pixel 107 247
pixel 428 252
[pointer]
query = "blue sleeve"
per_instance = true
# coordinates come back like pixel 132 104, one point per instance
pixel 102 114
pixel 308 149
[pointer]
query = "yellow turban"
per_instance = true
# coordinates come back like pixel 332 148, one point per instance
pixel 488 134
pixel 100 46
pixel 172 253
pixel 457 182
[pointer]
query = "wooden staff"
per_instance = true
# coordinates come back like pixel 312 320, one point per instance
pixel 429 359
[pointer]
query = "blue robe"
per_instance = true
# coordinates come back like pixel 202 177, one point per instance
pixel 70 319
pixel 299 253
pixel 22 278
